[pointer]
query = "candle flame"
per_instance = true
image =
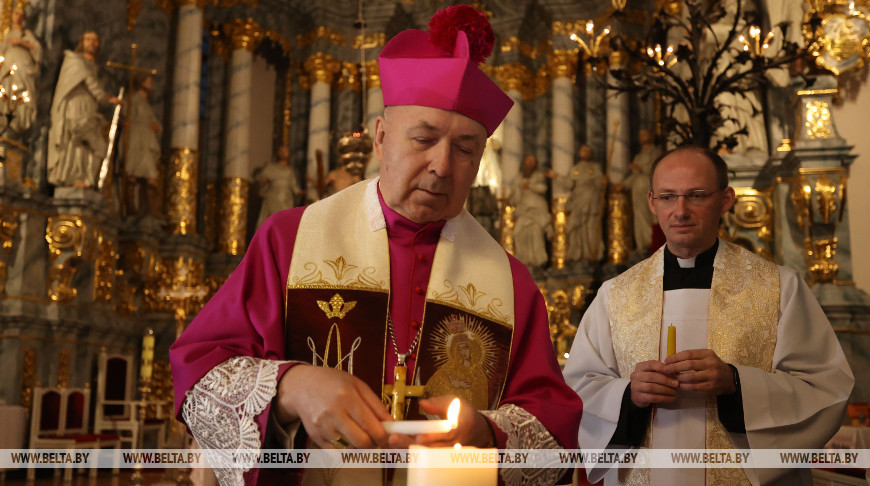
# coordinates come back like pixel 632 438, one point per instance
pixel 457 446
pixel 453 413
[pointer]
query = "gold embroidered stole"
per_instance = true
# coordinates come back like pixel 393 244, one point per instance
pixel 741 329
pixel 338 290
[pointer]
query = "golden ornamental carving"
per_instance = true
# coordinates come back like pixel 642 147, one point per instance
pixel 562 63
pixel 104 270
pixel 234 216
pixel 321 33
pixel 542 81
pixel 8 228
pixel 28 377
pixel 800 195
pixel 375 39
pixel 63 362
pixel 753 213
pixel 181 191
pixel 560 237
pixel 350 78
pixel 841 42
pixel 244 34
pixel 817 119
pixel 507 228
pixel 322 67
pixel 373 74
pixel 181 288
pixel 825 197
pixel 562 332
pixel 515 77
pixel 70 241
pixel 820 253
pixel 619 227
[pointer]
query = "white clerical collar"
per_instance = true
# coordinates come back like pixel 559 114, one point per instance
pixel 686 262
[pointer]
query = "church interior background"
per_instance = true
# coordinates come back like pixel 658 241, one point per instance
pixel 83 274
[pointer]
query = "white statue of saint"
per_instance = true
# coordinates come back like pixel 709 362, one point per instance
pixel 22 54
pixel 76 143
pixel 637 184
pixel 278 185
pixel 532 219
pixel 585 208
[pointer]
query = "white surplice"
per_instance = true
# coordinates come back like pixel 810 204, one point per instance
pixel 799 404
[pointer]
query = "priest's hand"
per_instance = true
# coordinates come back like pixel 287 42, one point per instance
pixel 701 370
pixel 652 383
pixel 472 428
pixel 333 406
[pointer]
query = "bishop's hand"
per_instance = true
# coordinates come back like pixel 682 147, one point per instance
pixel 332 404
pixel 472 428
pixel 702 370
pixel 652 383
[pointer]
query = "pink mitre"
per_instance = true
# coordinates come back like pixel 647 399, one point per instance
pixel 419 68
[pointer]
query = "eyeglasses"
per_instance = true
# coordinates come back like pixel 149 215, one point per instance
pixel 695 197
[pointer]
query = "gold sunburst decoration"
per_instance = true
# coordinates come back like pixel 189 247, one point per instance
pixel 469 328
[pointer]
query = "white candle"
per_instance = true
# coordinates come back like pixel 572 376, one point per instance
pixel 415 427
pixel 456 466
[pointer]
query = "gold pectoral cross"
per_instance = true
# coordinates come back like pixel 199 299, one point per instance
pixel 400 391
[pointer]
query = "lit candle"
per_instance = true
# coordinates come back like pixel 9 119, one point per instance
pixel 414 427
pixel 146 369
pixel 672 339
pixel 456 466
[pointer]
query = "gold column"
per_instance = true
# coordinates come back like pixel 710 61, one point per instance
pixel 104 270
pixel 619 228
pixel 560 238
pixel 8 227
pixel 181 191
pixel 507 228
pixel 373 74
pixel 234 216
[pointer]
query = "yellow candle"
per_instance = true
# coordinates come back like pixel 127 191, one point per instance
pixel 672 339
pixel 146 369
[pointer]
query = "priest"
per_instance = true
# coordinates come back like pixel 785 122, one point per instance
pixel 386 292
pixel 756 364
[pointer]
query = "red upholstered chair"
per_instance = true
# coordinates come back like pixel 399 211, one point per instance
pixel 116 410
pixel 60 421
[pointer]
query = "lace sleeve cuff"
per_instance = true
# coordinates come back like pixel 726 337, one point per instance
pixel 524 431
pixel 221 410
